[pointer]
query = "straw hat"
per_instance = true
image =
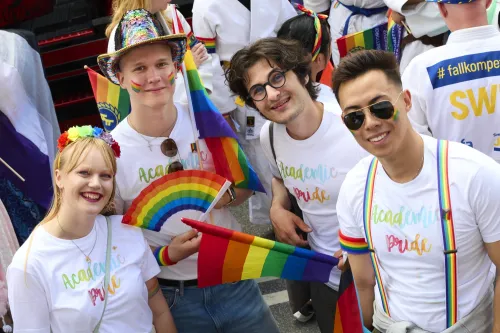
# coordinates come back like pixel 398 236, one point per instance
pixel 139 27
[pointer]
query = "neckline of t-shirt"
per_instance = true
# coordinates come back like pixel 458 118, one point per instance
pixel 71 243
pixel 323 128
pixel 428 163
pixel 173 133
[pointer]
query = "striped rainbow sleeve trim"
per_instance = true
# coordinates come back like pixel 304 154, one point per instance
pixel 353 245
pixel 209 43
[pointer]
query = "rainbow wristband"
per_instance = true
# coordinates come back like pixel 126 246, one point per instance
pixel 162 258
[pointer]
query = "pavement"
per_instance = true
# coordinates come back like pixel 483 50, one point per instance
pixel 273 289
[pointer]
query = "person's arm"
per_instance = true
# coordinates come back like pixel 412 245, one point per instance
pixel 484 198
pixel 162 318
pixel 242 195
pixel 413 81
pixel 28 302
pixel 350 233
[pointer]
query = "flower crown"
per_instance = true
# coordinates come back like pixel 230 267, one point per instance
pixel 76 132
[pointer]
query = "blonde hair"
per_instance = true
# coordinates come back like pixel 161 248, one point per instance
pixel 66 161
pixel 120 7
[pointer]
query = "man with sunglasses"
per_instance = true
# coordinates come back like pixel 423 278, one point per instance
pixel 419 218
pixel 157 138
pixel 455 87
pixel 313 149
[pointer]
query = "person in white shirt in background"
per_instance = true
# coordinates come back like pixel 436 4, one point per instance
pixel 302 28
pixel 313 150
pixel 166 13
pixel 454 87
pixel 226 27
pixel 419 218
pixel 349 16
pixel 427 27
pixel 157 138
pixel 56 281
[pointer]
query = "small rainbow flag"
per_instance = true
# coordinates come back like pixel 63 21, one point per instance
pixel 228 256
pixel 113 102
pixel 182 190
pixel 370 39
pixel 229 159
pixel 394 38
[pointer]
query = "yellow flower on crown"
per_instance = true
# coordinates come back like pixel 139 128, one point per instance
pixel 73 133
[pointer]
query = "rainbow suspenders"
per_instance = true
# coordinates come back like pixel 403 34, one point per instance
pixel 450 250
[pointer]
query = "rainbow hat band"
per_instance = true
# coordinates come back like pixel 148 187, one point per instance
pixel 76 132
pixel 452 2
pixel 139 27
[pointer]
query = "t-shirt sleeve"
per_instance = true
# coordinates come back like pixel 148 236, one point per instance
pixel 412 80
pixel 484 197
pixel 28 302
pixel 149 266
pixel 351 236
pixel 266 148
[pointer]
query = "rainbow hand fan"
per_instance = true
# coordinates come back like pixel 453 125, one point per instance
pixel 182 190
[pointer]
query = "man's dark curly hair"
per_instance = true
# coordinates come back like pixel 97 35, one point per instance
pixel 284 54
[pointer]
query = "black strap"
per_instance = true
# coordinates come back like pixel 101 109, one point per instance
pixel 271 140
pixel 246 3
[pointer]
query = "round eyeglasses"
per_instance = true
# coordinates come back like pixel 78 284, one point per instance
pixel 276 79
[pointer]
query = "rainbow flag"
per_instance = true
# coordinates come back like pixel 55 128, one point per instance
pixel 348 316
pixel 229 159
pixel 228 256
pixel 370 39
pixel 394 38
pixel 113 102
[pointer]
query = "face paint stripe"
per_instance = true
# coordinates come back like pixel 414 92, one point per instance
pixel 136 86
pixel 171 78
pixel 396 115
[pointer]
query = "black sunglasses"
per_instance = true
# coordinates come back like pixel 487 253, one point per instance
pixel 169 149
pixel 382 110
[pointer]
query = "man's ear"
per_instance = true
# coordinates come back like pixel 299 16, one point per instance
pixel 442 9
pixel 407 100
pixel 121 79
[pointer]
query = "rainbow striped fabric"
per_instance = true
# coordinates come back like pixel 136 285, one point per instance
pixel 209 43
pixel 448 230
pixel 113 102
pixel 370 39
pixel 353 245
pixel 394 37
pixel 229 159
pixel 228 256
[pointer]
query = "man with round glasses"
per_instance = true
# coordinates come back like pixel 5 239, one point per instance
pixel 419 218
pixel 313 151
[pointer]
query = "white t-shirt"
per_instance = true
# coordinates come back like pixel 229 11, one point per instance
pixel 313 171
pixel 327 97
pixel 455 90
pixel 414 280
pixel 63 294
pixel 138 167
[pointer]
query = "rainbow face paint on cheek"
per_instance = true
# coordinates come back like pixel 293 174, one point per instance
pixel 136 86
pixel 171 78
pixel 396 115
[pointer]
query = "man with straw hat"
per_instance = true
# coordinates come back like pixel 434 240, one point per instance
pixel 156 139
pixel 455 86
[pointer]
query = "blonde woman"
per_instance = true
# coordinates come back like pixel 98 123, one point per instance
pixel 166 13
pixel 80 271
